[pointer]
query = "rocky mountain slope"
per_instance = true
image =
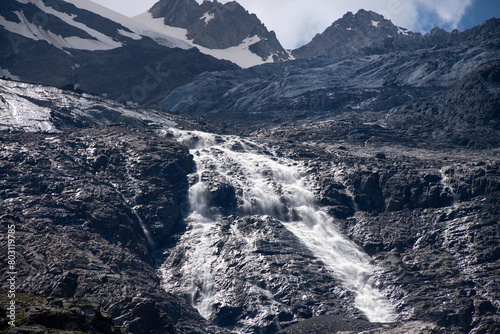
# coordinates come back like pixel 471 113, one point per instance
pixel 91 205
pixel 46 315
pixel 411 210
pixel 422 93
pixel 356 191
pixel 225 31
pixel 368 33
pixel 109 203
pixel 364 32
pixel 79 234
pixel 94 51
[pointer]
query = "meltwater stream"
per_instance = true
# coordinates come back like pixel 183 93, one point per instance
pixel 265 186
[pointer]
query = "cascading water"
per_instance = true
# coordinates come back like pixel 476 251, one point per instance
pixel 265 185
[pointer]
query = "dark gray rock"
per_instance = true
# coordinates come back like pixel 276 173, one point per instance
pixel 271 284
pixel 368 33
pixel 439 249
pixel 225 25
pixel 330 324
pixel 398 96
pixel 365 31
pixel 37 314
pixel 87 232
pixel 152 70
pixel 221 194
pixel 177 13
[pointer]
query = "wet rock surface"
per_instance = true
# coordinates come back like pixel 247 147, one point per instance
pixel 271 280
pixel 90 207
pixel 399 144
pixel 94 205
pixel 47 315
pixel 429 218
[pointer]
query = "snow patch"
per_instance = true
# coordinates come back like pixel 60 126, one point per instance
pixel 25 28
pixel 158 26
pixel 375 23
pixel 131 23
pixel 105 42
pixel 34 32
pixel 128 34
pixel 402 31
pixel 7 74
pixel 240 55
pixel 207 17
pixel 104 12
pixel 349 29
pixel 162 34
pixel 17 113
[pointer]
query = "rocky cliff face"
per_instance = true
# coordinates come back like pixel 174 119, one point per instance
pixel 103 199
pixel 100 55
pixel 423 213
pixel 449 94
pixel 220 26
pixel 356 192
pixel 353 34
pixel 179 13
pixel 368 33
pixel 89 214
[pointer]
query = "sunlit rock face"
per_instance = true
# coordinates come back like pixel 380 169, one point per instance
pixel 280 230
pixel 351 192
pixel 248 232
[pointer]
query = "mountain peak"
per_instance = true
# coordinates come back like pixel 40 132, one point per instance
pixel 218 26
pixel 352 34
pixel 90 46
pixel 363 19
pixel 367 32
pixel 362 14
pixel 177 13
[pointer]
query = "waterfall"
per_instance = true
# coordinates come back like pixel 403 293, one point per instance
pixel 265 185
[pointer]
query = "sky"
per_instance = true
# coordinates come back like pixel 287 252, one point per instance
pixel 296 22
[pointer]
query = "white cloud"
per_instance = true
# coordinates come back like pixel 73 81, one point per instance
pixel 297 21
pixel 449 12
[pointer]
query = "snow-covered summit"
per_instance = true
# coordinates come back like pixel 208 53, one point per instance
pixel 225 31
pixel 75 25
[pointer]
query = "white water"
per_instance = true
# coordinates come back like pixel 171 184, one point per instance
pixel 268 186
